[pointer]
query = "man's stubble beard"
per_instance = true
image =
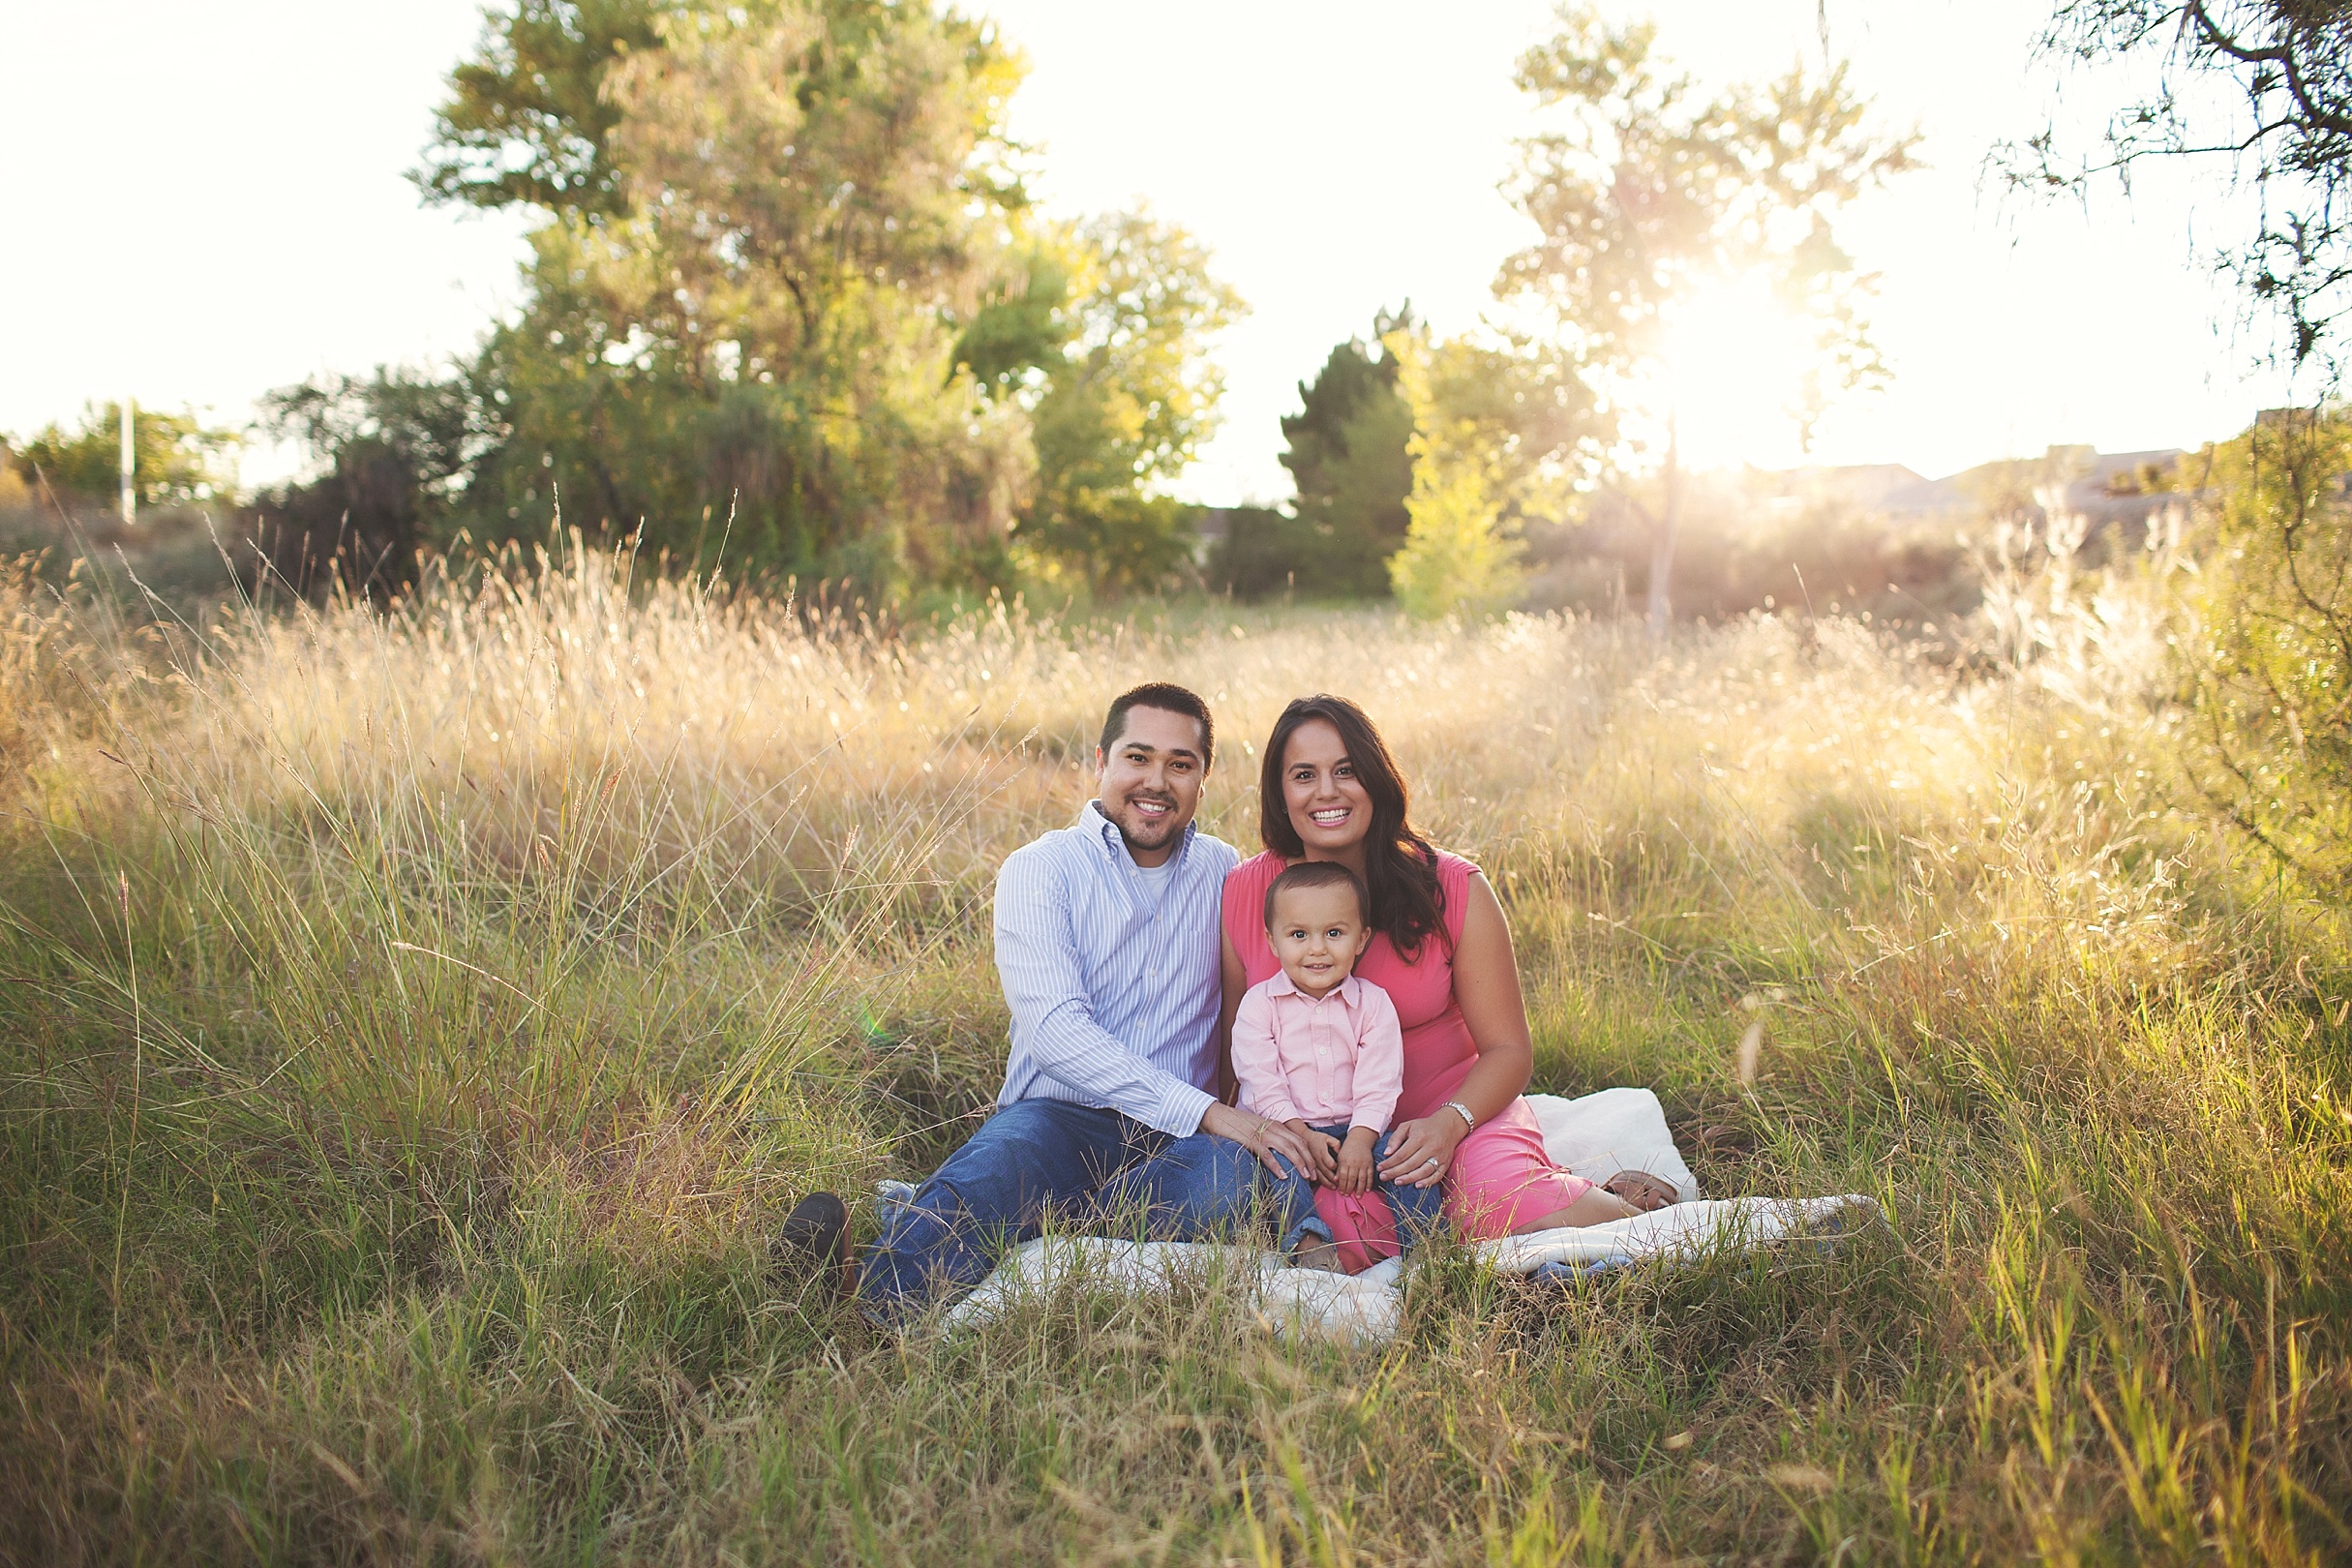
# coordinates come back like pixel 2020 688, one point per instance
pixel 1174 829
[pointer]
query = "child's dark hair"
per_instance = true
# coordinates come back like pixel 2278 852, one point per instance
pixel 1318 874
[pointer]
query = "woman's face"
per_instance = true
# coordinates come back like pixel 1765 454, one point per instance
pixel 1329 808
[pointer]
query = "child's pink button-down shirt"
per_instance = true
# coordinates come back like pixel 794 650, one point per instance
pixel 1339 1058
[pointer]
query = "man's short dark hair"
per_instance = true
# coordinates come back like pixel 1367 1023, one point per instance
pixel 1318 874
pixel 1167 698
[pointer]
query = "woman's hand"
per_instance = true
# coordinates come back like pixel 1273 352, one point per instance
pixel 1421 1151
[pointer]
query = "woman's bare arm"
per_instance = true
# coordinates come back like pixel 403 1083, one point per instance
pixel 1486 986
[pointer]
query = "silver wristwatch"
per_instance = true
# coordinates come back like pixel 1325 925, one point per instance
pixel 1469 1122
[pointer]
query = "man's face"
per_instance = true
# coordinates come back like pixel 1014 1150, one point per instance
pixel 1151 781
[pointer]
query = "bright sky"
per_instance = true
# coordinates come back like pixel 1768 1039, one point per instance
pixel 209 205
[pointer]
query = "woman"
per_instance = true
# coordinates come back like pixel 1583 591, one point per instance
pixel 1330 791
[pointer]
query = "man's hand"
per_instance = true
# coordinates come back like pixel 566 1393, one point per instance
pixel 1326 1150
pixel 1261 1137
pixel 1355 1173
pixel 1641 1188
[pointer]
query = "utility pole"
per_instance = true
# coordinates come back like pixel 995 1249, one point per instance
pixel 130 494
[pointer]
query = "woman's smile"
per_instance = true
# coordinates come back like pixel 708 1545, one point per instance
pixel 1320 787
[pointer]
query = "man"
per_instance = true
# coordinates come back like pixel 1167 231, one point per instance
pixel 1106 945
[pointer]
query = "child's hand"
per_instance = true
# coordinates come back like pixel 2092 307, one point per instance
pixel 1355 1162
pixel 1326 1150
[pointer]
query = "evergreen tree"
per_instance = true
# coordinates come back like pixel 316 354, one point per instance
pixel 1348 460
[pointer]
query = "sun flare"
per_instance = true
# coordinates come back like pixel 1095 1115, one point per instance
pixel 1733 367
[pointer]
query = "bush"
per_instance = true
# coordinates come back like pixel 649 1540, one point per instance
pixel 2270 658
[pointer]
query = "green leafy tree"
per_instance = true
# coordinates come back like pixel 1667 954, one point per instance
pixel 1125 402
pixel 790 295
pixel 528 121
pixel 1264 551
pixel 176 457
pixel 1646 194
pixel 742 313
pixel 1458 554
pixel 1350 467
pixel 2270 654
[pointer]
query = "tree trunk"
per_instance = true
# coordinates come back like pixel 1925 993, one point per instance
pixel 1662 534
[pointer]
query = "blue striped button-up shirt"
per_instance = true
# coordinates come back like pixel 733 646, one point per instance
pixel 1111 974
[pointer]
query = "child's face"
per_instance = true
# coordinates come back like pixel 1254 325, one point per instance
pixel 1318 934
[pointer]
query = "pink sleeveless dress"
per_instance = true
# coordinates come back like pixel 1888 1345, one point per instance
pixel 1500 1176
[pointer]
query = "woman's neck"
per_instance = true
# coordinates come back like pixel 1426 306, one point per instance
pixel 1353 856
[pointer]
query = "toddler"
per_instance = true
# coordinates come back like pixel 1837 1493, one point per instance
pixel 1318 1048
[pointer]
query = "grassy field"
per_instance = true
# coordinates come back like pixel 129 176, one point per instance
pixel 412 1029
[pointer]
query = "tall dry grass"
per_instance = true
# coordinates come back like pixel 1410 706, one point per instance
pixel 416 1023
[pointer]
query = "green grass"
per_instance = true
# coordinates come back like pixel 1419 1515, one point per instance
pixel 412 1029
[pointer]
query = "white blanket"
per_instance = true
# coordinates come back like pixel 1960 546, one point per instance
pixel 1594 1136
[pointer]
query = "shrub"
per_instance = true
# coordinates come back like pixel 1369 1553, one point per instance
pixel 2270 658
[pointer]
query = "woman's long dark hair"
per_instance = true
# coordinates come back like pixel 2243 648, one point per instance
pixel 1400 867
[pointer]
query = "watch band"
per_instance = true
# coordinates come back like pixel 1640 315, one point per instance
pixel 1470 1122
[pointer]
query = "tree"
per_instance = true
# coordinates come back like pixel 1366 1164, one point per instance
pixel 1469 461
pixel 1359 443
pixel 1350 462
pixel 742 310
pixel 789 293
pixel 1648 195
pixel 1122 402
pixel 176 458
pixel 528 121
pixel 399 448
pixel 1351 470
pixel 2284 127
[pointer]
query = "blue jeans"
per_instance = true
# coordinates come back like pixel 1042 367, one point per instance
pixel 1037 1156
pixel 1417 1208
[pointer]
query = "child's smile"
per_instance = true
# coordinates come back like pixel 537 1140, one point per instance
pixel 1317 933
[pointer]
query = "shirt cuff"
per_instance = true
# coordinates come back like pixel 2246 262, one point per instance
pixel 1181 1112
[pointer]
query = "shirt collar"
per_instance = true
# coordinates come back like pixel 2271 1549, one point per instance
pixel 1348 990
pixel 1090 819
